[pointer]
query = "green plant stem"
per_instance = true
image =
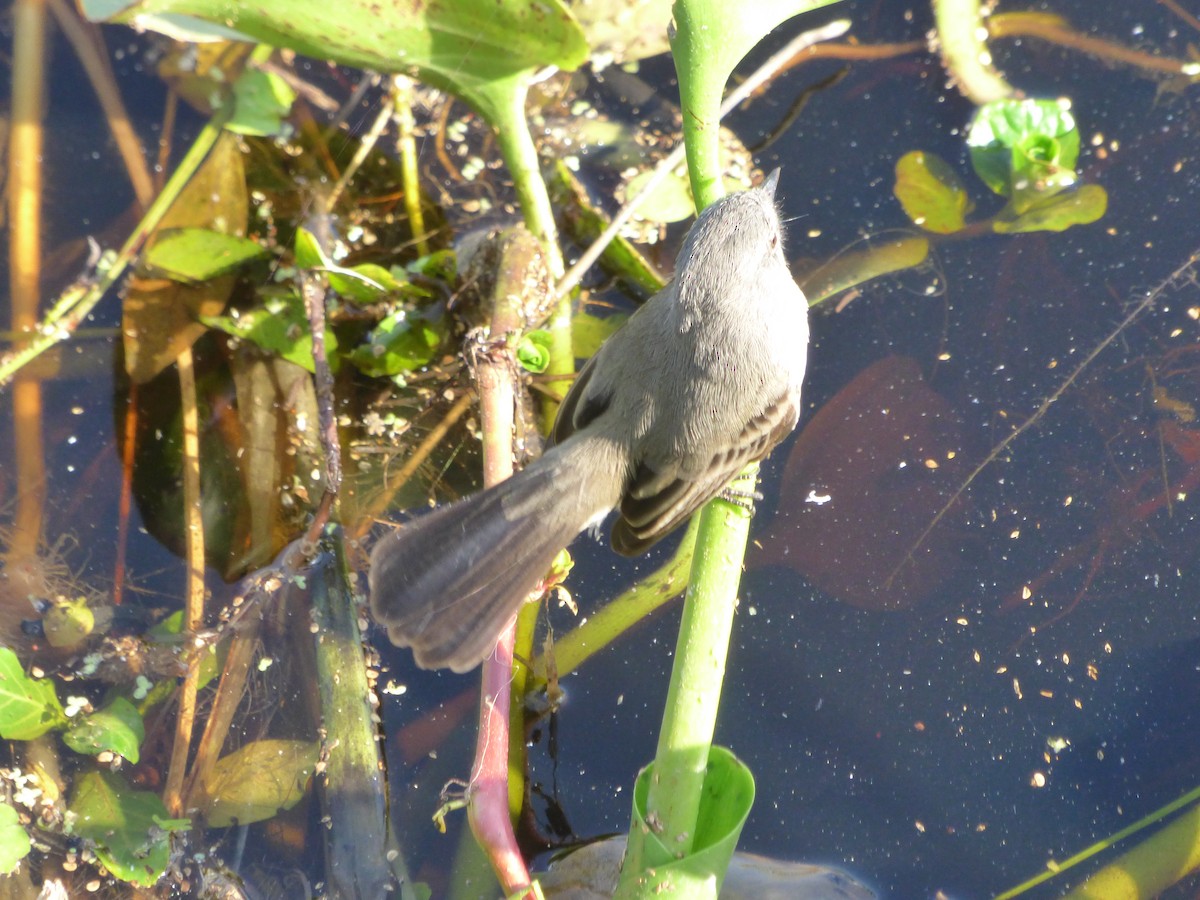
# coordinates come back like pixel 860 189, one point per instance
pixel 699 100
pixel 78 301
pixel 965 54
pixel 693 697
pixel 1167 850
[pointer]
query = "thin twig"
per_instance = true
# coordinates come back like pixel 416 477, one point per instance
pixel 194 608
pixel 1150 299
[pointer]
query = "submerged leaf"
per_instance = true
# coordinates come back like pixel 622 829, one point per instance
pixel 262 101
pixel 14 840
pixel 400 343
pixel 257 781
pixel 279 326
pixel 159 317
pixel 124 824
pixel 117 728
pixel 29 707
pixel 197 254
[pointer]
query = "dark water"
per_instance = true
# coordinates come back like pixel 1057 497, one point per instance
pixel 906 745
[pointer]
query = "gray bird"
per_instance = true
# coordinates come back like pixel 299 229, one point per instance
pixel 702 380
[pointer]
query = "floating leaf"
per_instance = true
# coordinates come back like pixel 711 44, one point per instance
pixel 257 781
pixel 1024 149
pixel 262 101
pixel 117 728
pixel 14 840
pixel 533 351
pixel 198 254
pixel 279 326
pixel 1058 213
pixel 931 192
pixel 124 825
pixel 400 343
pixel 29 707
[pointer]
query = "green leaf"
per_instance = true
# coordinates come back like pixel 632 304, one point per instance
pixel 279 326
pixel 308 251
pixel 533 351
pixel 14 840
pixel 1057 213
pixel 257 781
pixel 190 255
pixel 117 728
pixel 401 343
pixel 262 101
pixel 1024 150
pixel 588 332
pixel 931 193
pixel 365 283
pixel 725 801
pixel 123 824
pixel 669 201
pixel 441 265
pixel 29 707
pixel 464 46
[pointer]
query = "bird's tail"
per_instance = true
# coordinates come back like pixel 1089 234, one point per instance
pixel 447 584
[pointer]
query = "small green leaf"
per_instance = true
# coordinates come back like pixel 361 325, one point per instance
pixel 117 728
pixel 1057 213
pixel 533 351
pixel 190 255
pixel 1024 146
pixel 14 840
pixel 29 707
pixel 257 781
pixel 122 824
pixel 931 193
pixel 262 101
pixel 440 265
pixel 279 326
pixel 365 283
pixel 308 251
pixel 400 343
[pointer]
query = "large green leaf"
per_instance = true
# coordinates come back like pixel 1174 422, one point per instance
pixel 464 46
pixel 124 824
pixel 28 706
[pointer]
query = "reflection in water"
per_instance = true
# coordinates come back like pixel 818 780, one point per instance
pixel 887 452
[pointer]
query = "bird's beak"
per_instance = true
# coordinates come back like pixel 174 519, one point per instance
pixel 768 186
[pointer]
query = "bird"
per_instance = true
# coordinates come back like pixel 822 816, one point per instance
pixel 702 380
